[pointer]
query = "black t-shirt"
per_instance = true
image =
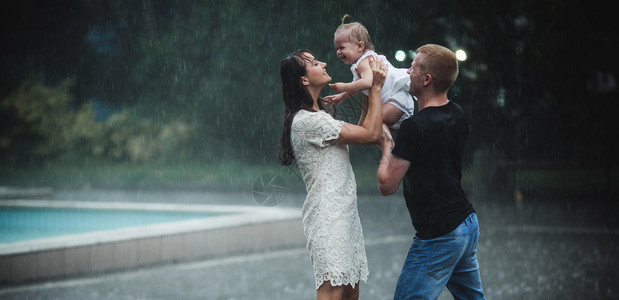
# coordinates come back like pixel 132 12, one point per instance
pixel 433 141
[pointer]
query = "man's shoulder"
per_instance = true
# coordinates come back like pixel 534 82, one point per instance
pixel 408 123
pixel 456 106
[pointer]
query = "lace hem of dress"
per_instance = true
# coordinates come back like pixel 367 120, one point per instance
pixel 339 279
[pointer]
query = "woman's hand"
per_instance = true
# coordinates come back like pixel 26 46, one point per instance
pixel 379 72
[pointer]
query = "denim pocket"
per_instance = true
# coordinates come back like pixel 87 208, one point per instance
pixel 444 258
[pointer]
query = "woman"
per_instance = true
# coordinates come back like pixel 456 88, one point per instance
pixel 318 144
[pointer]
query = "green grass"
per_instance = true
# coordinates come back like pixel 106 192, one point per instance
pixel 217 175
pixel 235 175
pixel 214 175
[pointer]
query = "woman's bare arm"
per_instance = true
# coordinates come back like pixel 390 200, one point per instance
pixel 364 109
pixel 370 130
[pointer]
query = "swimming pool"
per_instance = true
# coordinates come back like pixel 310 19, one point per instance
pixel 28 223
pixel 121 235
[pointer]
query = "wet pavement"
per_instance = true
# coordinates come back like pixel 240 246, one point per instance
pixel 535 249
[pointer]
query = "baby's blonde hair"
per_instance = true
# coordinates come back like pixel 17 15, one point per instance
pixel 356 32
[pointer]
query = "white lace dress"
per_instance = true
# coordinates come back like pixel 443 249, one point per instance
pixel 330 216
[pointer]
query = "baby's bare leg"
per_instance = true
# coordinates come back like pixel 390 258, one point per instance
pixel 391 114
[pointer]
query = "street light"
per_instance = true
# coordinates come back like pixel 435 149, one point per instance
pixel 461 55
pixel 400 55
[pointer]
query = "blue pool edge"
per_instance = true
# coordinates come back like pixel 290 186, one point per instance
pixel 241 229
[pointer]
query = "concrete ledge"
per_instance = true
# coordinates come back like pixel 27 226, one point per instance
pixel 244 229
pixel 21 193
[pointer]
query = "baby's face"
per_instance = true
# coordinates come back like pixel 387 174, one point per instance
pixel 346 50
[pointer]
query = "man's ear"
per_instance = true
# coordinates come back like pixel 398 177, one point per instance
pixel 304 81
pixel 427 79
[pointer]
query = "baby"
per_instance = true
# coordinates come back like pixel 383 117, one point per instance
pixel 353 46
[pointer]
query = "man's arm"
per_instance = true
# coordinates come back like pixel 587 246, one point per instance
pixel 391 168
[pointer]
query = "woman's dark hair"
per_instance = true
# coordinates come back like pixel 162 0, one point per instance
pixel 295 96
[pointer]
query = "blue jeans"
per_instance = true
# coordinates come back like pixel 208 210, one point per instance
pixel 449 260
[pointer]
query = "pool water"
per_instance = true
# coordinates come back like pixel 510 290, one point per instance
pixel 26 223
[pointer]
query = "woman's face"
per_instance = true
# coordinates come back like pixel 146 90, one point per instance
pixel 315 71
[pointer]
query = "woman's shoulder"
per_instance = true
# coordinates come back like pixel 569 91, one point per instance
pixel 303 114
pixel 310 119
pixel 308 113
pixel 315 127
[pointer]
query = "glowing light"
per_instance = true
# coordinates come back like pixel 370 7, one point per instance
pixel 461 55
pixel 400 55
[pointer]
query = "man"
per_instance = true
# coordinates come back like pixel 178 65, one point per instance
pixel 427 158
